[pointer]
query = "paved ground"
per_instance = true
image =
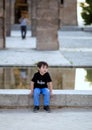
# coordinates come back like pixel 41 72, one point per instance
pixel 75 50
pixel 76 47
pixel 58 119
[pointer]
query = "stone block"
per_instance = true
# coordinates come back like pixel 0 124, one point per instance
pixel 70 18
pixel 68 13
pixel 1 4
pixel 79 100
pixel 47 4
pixel 64 98
pixel 42 3
pixel 47 39
pixel 1 43
pixel 1 12
pixel 33 27
pixel 1 27
pixel 47 24
pixel 47 14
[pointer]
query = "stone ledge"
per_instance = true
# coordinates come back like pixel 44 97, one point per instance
pixel 64 98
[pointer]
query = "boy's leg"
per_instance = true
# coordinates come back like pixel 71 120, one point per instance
pixel 46 93
pixel 21 32
pixel 24 31
pixel 37 96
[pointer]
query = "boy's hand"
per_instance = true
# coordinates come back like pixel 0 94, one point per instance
pixel 31 93
pixel 51 94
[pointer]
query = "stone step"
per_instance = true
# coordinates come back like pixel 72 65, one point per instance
pixel 71 28
pixel 76 28
pixel 63 98
pixel 17 27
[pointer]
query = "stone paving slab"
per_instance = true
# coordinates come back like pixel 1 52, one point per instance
pixel 31 57
pixel 76 46
pixel 78 59
pixel 58 119
pixel 17 43
pixel 75 39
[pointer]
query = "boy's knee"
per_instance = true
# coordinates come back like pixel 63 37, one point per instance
pixel 47 92
pixel 36 92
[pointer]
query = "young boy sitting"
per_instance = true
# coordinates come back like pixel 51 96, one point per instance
pixel 41 83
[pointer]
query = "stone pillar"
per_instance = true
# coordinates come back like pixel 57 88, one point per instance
pixel 29 9
pixel 12 12
pixel 2 24
pixel 68 13
pixel 33 17
pixel 8 17
pixel 1 78
pixel 47 24
pixel 7 78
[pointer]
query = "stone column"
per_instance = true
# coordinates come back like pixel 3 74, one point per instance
pixel 33 17
pixel 2 24
pixel 12 12
pixel 68 13
pixel 29 9
pixel 1 78
pixel 47 24
pixel 8 17
pixel 7 78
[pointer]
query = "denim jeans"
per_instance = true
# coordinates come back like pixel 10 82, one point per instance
pixel 46 94
pixel 23 31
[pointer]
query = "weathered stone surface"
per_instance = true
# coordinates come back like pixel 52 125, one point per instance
pixel 2 36
pixel 8 17
pixel 64 98
pixel 1 78
pixel 1 43
pixel 1 28
pixel 47 14
pixel 51 4
pixel 68 13
pixel 47 25
pixel 47 39
pixel 33 17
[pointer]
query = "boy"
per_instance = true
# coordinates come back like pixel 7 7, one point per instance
pixel 23 26
pixel 41 83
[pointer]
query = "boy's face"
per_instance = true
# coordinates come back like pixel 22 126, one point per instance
pixel 43 69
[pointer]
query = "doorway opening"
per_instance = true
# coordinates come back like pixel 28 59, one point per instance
pixel 21 9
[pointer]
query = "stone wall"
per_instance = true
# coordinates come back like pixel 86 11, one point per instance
pixel 61 98
pixel 8 17
pixel 2 21
pixel 33 17
pixel 68 13
pixel 1 79
pixel 12 11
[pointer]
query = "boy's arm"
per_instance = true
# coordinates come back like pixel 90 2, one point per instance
pixel 50 86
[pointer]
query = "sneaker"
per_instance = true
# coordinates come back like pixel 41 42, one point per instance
pixel 36 109
pixel 47 108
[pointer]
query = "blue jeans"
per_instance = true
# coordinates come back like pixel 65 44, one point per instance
pixel 45 92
